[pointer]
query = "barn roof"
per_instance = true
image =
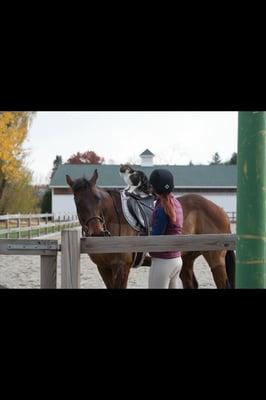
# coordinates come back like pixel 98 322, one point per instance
pixel 185 176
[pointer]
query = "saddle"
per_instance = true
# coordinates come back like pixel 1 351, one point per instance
pixel 138 213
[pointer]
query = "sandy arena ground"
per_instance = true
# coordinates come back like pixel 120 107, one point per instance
pixel 23 272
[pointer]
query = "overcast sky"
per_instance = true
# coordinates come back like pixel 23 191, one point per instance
pixel 119 137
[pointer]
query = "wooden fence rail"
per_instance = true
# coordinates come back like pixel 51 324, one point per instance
pixel 46 249
pixel 123 244
pixel 72 246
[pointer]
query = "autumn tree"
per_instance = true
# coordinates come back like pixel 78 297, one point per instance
pixel 88 157
pixel 19 196
pixel 13 131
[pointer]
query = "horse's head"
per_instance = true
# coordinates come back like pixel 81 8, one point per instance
pixel 88 199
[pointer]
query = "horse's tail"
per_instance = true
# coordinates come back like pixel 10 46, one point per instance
pixel 230 263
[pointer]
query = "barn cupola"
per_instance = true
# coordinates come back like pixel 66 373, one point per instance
pixel 147 158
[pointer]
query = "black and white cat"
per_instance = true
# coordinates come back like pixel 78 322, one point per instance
pixel 137 182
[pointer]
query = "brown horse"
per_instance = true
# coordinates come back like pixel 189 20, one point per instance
pixel 100 214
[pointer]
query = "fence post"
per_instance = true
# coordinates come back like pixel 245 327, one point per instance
pixel 70 258
pixel 18 226
pixel 29 225
pixel 48 272
pixel 39 223
pixel 53 222
pixel 7 227
pixel 251 200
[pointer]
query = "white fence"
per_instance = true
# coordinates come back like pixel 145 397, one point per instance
pixel 34 225
pixel 232 216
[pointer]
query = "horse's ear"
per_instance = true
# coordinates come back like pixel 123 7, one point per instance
pixel 69 180
pixel 94 177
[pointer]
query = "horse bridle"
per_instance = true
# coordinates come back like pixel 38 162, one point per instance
pixel 102 220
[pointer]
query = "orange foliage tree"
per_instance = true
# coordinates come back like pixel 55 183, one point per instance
pixel 88 157
pixel 13 131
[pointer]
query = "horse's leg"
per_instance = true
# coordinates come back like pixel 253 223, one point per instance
pixel 115 277
pixel 107 276
pixel 216 261
pixel 120 275
pixel 187 275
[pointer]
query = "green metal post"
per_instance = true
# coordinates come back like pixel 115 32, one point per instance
pixel 251 200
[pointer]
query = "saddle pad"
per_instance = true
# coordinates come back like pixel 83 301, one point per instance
pixel 137 211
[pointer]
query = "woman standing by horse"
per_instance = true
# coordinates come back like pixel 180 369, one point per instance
pixel 167 220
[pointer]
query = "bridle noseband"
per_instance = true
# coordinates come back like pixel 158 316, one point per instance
pixel 102 220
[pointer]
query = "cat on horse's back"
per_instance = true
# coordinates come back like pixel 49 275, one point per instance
pixel 136 180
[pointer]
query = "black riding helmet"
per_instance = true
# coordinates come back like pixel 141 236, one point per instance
pixel 162 181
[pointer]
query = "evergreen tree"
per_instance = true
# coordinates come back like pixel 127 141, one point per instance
pixel 57 161
pixel 216 159
pixel 233 159
pixel 46 206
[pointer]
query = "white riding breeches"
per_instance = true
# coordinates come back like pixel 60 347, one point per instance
pixel 164 273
